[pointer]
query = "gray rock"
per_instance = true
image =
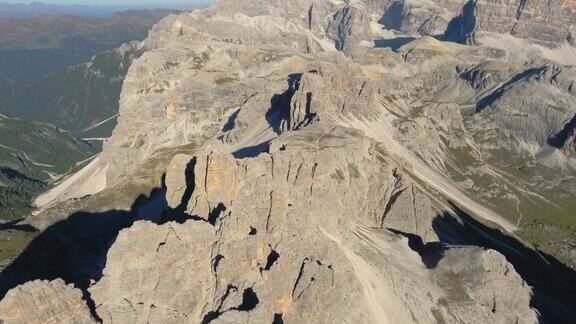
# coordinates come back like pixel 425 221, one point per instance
pixel 472 277
pixel 548 23
pixel 309 173
pixel 569 146
pixel 284 235
pixel 419 17
pixel 44 301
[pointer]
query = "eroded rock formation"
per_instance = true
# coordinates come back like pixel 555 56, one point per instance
pixel 549 23
pixel 292 233
pixel 313 170
pixel 42 302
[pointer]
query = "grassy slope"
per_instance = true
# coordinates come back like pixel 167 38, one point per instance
pixel 31 155
pixel 544 211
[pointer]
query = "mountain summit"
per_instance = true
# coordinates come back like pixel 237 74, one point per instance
pixel 308 161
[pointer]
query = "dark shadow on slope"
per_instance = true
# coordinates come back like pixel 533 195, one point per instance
pixel 13 225
pixel 280 104
pixel 216 213
pixel 449 233
pixel 462 28
pixel 178 214
pixel 554 283
pixel 231 122
pixel 181 216
pixel 278 319
pixel 560 139
pixel 75 249
pixel 252 151
pixel 431 252
pixel 249 302
pixel 498 93
pixel 190 180
pixel 277 114
pixel 394 16
pixel 393 43
pixel 414 241
pixel 12 175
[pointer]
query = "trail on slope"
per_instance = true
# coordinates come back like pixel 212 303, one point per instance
pixel 100 123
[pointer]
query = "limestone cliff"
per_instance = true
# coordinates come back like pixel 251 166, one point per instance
pixel 294 161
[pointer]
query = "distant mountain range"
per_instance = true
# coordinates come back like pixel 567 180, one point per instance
pixel 33 47
pixel 39 8
pixel 82 99
pixel 70 31
pixel 304 161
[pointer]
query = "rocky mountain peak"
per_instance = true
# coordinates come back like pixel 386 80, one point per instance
pixel 300 161
pixel 548 23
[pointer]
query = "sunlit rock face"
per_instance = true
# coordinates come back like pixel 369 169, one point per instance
pixel 314 166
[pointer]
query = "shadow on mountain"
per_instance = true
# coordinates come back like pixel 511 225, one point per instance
pixel 559 140
pixel 231 122
pixel 393 17
pixel 14 225
pixel 252 151
pixel 280 104
pixel 75 249
pixel 393 43
pixel 431 252
pixel 500 91
pixel 554 284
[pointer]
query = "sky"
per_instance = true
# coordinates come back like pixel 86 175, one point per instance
pixel 114 2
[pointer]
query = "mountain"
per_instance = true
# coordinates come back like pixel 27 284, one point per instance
pixel 82 99
pixel 324 161
pixel 31 156
pixel 33 47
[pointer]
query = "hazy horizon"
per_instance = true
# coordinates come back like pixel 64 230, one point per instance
pixel 94 8
pixel 124 3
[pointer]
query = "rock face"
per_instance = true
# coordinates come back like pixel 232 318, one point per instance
pixel 288 235
pixel 44 301
pixel 312 175
pixel 542 122
pixel 349 26
pixel 484 274
pixel 182 93
pixel 548 23
pixel 417 17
